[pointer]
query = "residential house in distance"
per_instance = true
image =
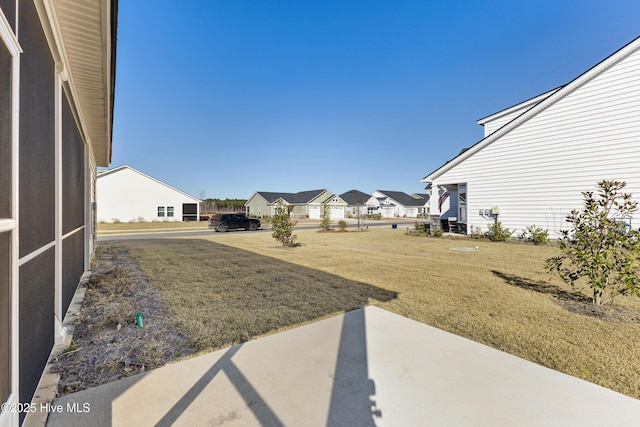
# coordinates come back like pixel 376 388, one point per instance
pixel 310 204
pixel 57 79
pixel 356 203
pixel 126 194
pixel 537 157
pixel 396 204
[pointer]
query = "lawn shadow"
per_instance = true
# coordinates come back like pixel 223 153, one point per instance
pixel 245 294
pixel 542 287
pixel 224 295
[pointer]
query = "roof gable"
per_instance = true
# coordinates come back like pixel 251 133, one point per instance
pixel 300 198
pixel 539 107
pixel 103 173
pixel 402 199
pixel 520 106
pixel 354 197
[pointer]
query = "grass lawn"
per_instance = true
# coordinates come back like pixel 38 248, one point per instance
pixel 234 286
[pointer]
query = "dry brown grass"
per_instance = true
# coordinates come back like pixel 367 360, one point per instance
pixel 221 295
pixel 500 296
pixel 106 343
pixel 235 286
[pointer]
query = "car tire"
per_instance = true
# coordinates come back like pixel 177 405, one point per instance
pixel 223 227
pixel 253 226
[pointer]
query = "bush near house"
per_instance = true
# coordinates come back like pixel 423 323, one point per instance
pixel 601 249
pixel 537 235
pixel 498 233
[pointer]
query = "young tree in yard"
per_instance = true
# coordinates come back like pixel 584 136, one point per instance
pixel 601 249
pixel 325 223
pixel 282 225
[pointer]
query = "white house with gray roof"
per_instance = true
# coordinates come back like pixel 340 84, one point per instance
pixel 538 156
pixel 396 204
pixel 356 202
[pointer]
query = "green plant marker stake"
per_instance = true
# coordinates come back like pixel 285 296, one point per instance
pixel 139 317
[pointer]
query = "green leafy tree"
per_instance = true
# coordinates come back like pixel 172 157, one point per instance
pixel 282 225
pixel 601 249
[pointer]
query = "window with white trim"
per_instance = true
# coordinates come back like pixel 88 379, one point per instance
pixel 170 211
pixel 160 211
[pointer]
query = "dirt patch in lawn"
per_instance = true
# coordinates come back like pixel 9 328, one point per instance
pixel 107 345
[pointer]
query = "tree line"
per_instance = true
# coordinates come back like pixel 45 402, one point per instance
pixel 219 205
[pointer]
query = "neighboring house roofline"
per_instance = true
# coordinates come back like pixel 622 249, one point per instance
pixel 119 168
pixel 299 198
pixel 565 90
pixel 402 199
pixel 354 197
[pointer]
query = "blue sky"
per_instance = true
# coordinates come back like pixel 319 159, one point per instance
pixel 231 97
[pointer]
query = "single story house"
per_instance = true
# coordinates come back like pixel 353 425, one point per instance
pixel 57 79
pixel 396 204
pixel 356 202
pixel 126 194
pixel 310 204
pixel 537 157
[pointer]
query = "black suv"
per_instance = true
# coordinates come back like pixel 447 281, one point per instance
pixel 224 222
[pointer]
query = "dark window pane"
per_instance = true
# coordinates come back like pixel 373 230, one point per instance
pixel 5 132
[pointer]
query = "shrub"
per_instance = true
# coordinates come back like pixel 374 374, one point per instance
pixel 601 249
pixel 342 224
pixel 282 225
pixel 537 235
pixel 325 223
pixel 477 234
pixel 498 233
pixel 437 233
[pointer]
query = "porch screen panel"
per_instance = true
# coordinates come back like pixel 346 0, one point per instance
pixel 72 266
pixel 37 134
pixel 5 316
pixel 9 10
pixel 5 132
pixel 5 212
pixel 72 171
pixel 37 285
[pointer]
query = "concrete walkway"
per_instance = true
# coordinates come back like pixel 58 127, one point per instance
pixel 368 367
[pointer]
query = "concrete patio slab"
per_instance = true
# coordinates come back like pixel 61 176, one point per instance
pixel 368 367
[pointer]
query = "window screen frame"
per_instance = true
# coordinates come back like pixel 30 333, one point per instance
pixel 8 220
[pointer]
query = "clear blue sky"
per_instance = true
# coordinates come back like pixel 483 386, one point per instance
pixel 232 97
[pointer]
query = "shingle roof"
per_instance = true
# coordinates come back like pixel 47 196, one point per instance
pixel 301 197
pixel 403 198
pixel 354 197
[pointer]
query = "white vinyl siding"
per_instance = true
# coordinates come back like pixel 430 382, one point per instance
pixel 125 194
pixel 493 125
pixel 537 171
pixel 497 120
